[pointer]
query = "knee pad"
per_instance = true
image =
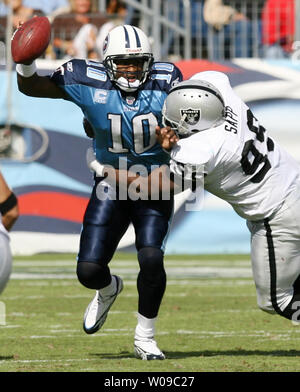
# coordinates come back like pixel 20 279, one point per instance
pixel 151 261
pixel 93 275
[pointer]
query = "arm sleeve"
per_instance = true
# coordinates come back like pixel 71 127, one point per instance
pixel 68 77
pixel 176 77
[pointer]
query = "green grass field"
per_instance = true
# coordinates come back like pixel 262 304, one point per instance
pixel 209 320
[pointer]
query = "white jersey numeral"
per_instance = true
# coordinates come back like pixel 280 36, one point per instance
pixel 116 133
pixel 143 133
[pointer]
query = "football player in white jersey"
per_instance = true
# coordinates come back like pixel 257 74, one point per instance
pixel 9 213
pixel 211 132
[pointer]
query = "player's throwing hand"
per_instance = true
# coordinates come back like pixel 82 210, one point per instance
pixel 30 40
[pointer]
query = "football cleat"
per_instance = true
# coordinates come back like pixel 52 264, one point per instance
pixel 96 312
pixel 147 350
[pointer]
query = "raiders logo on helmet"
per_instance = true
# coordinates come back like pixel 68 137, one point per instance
pixel 192 116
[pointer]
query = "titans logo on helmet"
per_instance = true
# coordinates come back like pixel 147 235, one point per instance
pixel 105 44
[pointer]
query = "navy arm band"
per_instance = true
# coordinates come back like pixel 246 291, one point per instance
pixel 8 204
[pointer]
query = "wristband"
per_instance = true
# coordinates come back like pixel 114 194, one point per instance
pixel 8 204
pixel 26 70
pixel 97 167
pixel 93 164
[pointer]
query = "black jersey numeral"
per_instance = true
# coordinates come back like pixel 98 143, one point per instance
pixel 251 149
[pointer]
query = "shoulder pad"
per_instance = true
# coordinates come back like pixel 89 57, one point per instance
pixel 79 71
pixel 166 67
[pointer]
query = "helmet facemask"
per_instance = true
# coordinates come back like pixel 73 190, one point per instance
pixel 121 78
pixel 179 127
pixel 193 106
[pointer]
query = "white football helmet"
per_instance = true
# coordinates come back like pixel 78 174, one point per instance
pixel 123 43
pixel 193 106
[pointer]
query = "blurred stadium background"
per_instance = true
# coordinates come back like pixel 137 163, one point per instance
pixel 43 145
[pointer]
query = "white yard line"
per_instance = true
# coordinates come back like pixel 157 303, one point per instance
pixel 14 361
pixel 128 263
pixel 262 335
pixel 89 296
pixel 65 269
pixel 193 282
pixel 183 272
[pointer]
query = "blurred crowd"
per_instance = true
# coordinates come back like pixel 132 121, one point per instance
pixel 228 27
pixel 270 22
pixel 78 28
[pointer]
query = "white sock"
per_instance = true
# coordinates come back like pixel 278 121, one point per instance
pixel 145 328
pixel 110 289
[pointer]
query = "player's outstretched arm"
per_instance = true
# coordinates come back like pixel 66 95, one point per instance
pixel 37 86
pixel 159 182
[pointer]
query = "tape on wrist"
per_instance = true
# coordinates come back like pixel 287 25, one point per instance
pixel 97 167
pixel 26 70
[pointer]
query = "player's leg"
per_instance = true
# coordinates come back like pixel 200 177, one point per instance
pixel 5 261
pixel 151 221
pixel 275 253
pixel 103 226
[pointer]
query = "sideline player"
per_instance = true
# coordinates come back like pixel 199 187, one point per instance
pixel 9 214
pixel 122 99
pixel 221 141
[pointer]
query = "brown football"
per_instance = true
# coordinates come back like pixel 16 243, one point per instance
pixel 31 40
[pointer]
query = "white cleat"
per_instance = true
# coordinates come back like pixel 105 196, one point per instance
pixel 147 350
pixel 96 312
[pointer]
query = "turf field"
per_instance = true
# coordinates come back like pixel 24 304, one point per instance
pixel 209 320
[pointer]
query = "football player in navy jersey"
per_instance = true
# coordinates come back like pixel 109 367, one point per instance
pixel 122 100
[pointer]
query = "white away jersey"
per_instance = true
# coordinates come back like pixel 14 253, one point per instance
pixel 239 161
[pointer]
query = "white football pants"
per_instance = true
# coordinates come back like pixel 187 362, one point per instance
pixel 5 260
pixel 275 255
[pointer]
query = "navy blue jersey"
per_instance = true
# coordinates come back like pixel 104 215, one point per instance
pixel 124 125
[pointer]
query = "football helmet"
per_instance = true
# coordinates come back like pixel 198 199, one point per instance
pixel 193 106
pixel 125 43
